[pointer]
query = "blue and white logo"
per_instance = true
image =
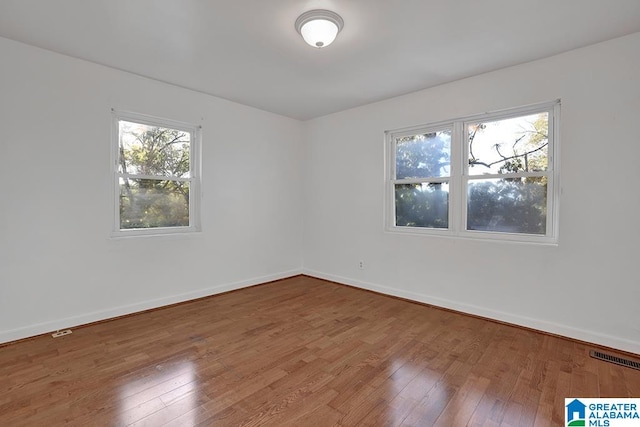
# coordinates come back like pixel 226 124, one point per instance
pixel 601 412
pixel 575 413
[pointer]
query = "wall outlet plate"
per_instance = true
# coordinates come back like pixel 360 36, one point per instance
pixel 57 334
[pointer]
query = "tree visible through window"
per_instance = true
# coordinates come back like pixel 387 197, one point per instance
pixel 422 171
pixel 155 175
pixel 507 175
pixel 491 174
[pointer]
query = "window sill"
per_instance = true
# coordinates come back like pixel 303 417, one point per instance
pixel 157 233
pixel 475 236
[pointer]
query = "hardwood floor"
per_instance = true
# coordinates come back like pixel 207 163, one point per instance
pixel 300 352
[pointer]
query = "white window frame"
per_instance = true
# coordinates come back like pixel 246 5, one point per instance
pixel 193 179
pixel 459 176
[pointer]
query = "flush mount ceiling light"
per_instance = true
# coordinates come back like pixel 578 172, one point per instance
pixel 319 27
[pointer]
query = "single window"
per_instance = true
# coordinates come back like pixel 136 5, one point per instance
pixel 156 176
pixel 421 181
pixel 490 176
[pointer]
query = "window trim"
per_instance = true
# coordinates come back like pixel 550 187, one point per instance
pixel 194 174
pixel 459 177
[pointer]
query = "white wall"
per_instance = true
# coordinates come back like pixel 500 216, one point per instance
pixel 60 268
pixel 587 287
pixel 58 265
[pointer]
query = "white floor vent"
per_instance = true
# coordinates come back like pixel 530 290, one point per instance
pixel 57 334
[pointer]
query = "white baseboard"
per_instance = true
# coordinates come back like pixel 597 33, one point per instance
pixel 82 319
pixel 537 324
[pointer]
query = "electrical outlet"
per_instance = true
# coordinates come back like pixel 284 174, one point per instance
pixel 57 334
pixel 361 265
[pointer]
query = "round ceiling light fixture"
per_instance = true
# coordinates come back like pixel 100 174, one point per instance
pixel 319 27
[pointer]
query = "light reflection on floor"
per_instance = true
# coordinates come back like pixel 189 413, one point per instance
pixel 162 393
pixel 422 388
pixel 429 392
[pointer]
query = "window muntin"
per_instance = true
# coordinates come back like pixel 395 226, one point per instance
pixel 156 176
pixel 499 173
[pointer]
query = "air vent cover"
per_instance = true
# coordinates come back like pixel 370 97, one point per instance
pixel 614 359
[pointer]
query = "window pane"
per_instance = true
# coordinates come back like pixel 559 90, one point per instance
pixel 512 145
pixel 509 205
pixel 149 203
pixel 423 155
pixel 422 205
pixel 153 150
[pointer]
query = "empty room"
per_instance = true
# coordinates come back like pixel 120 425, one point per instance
pixel 319 213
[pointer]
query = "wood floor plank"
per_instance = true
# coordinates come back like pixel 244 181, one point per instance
pixel 300 352
pixel 460 409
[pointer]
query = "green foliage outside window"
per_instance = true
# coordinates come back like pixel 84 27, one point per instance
pixel 506 186
pixel 152 160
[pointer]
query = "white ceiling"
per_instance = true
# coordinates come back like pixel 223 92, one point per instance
pixel 248 51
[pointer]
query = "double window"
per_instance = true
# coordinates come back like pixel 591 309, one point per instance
pixel 156 177
pixel 488 176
